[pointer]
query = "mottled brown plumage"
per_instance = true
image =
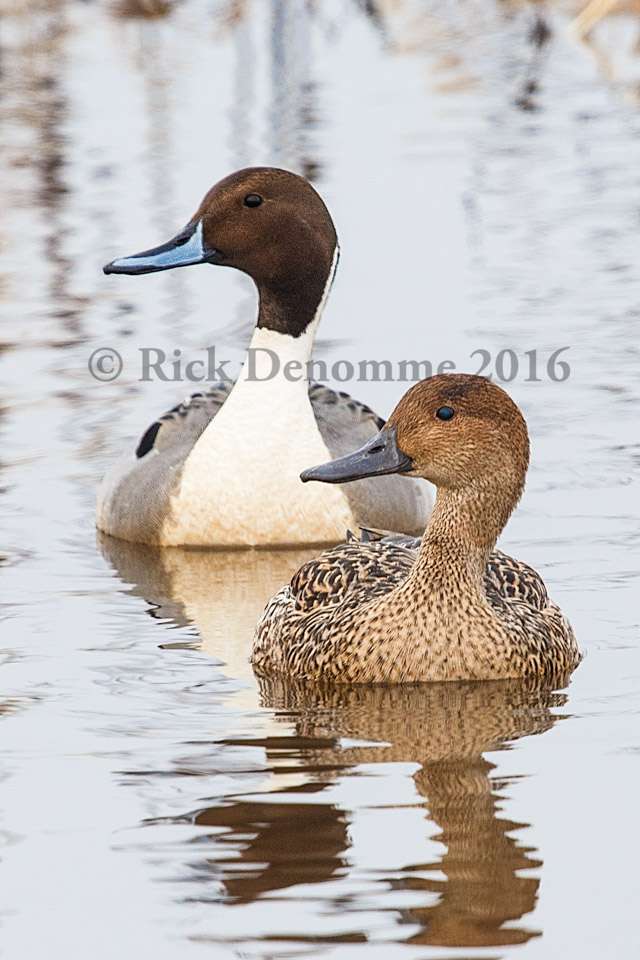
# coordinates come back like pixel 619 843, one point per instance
pixel 452 609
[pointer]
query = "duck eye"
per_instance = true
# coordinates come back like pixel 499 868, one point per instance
pixel 445 413
pixel 252 200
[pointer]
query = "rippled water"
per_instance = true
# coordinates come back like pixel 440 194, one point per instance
pixel 483 166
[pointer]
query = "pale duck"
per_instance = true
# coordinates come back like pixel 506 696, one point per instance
pixel 450 607
pixel 222 469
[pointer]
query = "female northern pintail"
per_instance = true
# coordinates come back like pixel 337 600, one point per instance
pixel 223 468
pixel 449 608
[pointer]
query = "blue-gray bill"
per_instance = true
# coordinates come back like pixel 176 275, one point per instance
pixel 379 456
pixel 184 250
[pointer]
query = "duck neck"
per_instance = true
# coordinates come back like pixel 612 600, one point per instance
pixel 462 532
pixel 282 342
pixel 279 359
pixel 292 308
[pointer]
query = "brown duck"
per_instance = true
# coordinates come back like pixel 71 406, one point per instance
pixel 450 607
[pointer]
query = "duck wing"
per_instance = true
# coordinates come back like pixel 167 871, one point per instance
pixel 183 424
pixel 342 421
pixel 379 561
pixel 344 576
pixel 391 502
pixel 339 416
pixel 355 570
pixel 504 575
pixel 515 580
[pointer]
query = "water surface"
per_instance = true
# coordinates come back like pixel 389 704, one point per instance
pixel 483 167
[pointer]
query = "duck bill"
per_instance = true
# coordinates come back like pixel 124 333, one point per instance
pixel 379 456
pixel 184 250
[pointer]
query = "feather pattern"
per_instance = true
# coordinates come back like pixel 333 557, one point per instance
pixel 368 567
pixel 335 411
pixel 449 606
pixel 305 628
pixel 138 501
pixel 183 424
pixel 193 480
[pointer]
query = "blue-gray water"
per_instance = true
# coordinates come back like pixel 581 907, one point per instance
pixel 483 168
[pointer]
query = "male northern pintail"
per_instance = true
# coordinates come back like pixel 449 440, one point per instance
pixel 450 608
pixel 223 468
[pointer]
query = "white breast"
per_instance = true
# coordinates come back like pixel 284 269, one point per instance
pixel 240 484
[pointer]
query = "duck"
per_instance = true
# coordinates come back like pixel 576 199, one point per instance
pixel 222 468
pixel 449 607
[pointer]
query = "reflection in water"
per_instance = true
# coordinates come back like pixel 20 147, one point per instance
pixel 362 816
pixel 482 891
pixel 616 52
pixel 38 62
pixel 142 9
pixel 243 149
pixel 259 846
pixel 445 728
pixel 292 109
pixel 459 42
pixel 539 37
pixel 267 847
pixel 221 593
pixel 474 891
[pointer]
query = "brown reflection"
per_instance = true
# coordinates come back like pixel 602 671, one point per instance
pixel 445 728
pixel 608 52
pixel 260 847
pixel 37 87
pixel 482 890
pixel 288 844
pixel 455 42
pixel 142 9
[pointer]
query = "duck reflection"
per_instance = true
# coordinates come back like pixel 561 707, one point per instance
pixel 445 729
pixel 220 592
pixel 291 843
pixel 475 893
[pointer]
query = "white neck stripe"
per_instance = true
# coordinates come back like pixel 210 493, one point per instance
pixel 328 284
